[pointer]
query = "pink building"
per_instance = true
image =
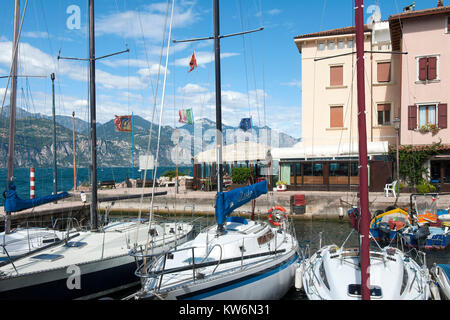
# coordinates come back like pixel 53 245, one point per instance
pixel 424 38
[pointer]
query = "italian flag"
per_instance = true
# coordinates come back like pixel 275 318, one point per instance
pixel 186 116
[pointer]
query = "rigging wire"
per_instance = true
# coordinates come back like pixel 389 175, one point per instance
pixel 15 50
pixel 151 125
pixel 159 129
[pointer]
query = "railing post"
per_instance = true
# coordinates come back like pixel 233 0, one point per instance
pixel 193 264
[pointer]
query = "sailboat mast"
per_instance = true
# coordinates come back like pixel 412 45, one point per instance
pixel 55 172
pixel 12 105
pixel 363 163
pixel 218 98
pixel 93 210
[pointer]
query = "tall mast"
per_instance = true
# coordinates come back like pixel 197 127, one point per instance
pixel 12 105
pixel 363 163
pixel 55 173
pixel 94 220
pixel 74 157
pixel 218 97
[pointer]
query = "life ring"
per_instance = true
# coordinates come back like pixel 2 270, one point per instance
pixel 277 220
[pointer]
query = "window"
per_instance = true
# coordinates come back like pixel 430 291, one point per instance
pixel 427 68
pixel 336 75
pixel 340 44
pixel 336 117
pixel 350 43
pixel 321 46
pixel 384 71
pixel 431 113
pixel 427 114
pixel 338 173
pixel 331 45
pixel 384 113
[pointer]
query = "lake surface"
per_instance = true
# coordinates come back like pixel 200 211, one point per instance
pixel 44 178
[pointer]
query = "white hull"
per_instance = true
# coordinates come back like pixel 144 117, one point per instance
pixel 86 271
pixel 442 278
pixel 333 273
pixel 266 274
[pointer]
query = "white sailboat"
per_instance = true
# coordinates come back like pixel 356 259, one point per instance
pixel 91 263
pixel 237 258
pixel 339 273
pixel 17 242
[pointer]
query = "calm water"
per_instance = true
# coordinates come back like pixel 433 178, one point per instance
pixel 308 236
pixel 44 178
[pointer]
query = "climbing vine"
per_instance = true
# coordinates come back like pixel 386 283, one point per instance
pixel 412 160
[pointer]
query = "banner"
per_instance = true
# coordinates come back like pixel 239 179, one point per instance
pixel 186 116
pixel 123 123
pixel 193 62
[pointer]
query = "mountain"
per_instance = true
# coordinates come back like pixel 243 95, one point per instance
pixel 34 139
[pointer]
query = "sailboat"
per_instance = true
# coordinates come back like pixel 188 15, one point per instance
pixel 339 273
pixel 236 258
pixel 91 263
pixel 17 242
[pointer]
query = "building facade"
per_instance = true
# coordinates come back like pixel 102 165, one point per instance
pixel 329 108
pixel 424 37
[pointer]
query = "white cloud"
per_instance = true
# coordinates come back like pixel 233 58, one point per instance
pixel 274 12
pixel 35 34
pixel 147 22
pixel 293 83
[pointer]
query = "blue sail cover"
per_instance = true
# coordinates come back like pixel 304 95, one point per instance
pixel 14 204
pixel 226 202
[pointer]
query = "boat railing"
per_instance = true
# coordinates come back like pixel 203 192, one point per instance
pixel 150 271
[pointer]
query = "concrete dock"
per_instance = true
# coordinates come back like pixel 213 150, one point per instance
pixel 319 204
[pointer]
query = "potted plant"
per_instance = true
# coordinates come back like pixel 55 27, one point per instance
pixel 281 185
pixel 429 127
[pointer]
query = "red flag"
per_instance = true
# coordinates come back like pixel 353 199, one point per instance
pixel 193 62
pixel 123 123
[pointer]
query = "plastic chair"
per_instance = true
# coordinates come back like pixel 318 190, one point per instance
pixel 390 187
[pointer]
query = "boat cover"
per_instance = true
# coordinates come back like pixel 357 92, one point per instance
pixel 226 202
pixel 14 204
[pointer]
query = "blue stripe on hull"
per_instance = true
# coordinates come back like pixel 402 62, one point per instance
pixel 227 286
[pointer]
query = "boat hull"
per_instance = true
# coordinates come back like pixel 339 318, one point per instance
pixel 86 280
pixel 270 281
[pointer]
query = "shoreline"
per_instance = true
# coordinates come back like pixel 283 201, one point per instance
pixel 319 204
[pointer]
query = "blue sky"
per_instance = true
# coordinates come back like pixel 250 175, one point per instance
pixel 261 72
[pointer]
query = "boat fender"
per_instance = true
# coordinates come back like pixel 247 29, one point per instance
pixel 435 291
pixel 280 214
pixel 299 277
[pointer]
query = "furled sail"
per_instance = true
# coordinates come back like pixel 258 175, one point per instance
pixel 14 204
pixel 226 202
